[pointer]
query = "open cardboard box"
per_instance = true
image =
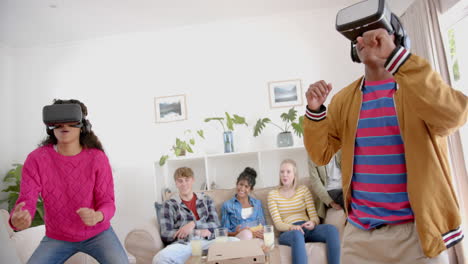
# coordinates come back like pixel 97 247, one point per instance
pixel 236 252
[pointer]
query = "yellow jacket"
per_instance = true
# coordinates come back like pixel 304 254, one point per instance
pixel 428 110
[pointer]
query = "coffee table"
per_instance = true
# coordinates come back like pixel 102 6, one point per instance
pixel 272 258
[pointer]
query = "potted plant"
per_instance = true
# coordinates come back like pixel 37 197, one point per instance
pixel 227 133
pixel 284 138
pixel 13 180
pixel 182 146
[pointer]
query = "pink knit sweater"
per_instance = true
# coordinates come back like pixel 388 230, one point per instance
pixel 67 183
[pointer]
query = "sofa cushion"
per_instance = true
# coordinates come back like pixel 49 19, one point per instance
pixel 316 253
pixel 262 195
pixel 27 241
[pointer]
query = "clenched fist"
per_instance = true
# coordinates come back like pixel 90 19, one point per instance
pixel 89 216
pixel 21 219
pixel 375 46
pixel 317 94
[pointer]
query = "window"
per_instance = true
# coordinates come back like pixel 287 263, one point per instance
pixel 457 56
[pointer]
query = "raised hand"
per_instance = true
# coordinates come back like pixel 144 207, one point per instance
pixel 375 46
pixel 21 219
pixel 89 216
pixel 317 94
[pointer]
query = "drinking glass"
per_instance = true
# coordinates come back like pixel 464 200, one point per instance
pixel 268 236
pixel 221 234
pixel 196 242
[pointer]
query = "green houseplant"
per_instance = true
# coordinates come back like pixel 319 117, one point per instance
pixel 290 121
pixel 13 180
pixel 182 146
pixel 227 133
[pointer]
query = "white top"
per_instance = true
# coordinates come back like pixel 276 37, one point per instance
pixel 246 212
pixel 333 175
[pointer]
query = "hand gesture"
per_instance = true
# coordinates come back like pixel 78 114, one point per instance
pixel 317 94
pixel 239 229
pixel 336 206
pixel 375 46
pixel 89 216
pixel 185 231
pixel 258 234
pixel 309 225
pixel 205 233
pixel 21 219
pixel 296 227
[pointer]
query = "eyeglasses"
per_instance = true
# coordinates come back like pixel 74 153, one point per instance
pixel 55 126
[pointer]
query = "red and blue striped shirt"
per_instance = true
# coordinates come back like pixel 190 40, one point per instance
pixel 379 194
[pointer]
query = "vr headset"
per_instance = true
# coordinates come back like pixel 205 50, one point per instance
pixel 367 15
pixel 57 114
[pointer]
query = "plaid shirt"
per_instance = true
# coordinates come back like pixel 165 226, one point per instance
pixel 175 214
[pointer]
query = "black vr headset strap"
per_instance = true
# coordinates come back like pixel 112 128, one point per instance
pixel 401 38
pixel 354 55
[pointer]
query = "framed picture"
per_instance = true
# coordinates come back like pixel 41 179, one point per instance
pixel 170 108
pixel 285 93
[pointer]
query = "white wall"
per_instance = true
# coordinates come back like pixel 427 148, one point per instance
pixel 7 127
pixel 222 66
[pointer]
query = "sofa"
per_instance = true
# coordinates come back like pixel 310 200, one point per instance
pixel 26 241
pixel 144 242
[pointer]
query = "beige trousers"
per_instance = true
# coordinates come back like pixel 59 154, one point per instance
pixel 387 245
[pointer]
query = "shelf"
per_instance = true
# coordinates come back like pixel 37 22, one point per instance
pixel 221 170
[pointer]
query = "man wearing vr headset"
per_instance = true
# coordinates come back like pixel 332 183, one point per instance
pixel 72 174
pixel 392 126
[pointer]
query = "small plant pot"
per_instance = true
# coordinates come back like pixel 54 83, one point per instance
pixel 284 139
pixel 228 142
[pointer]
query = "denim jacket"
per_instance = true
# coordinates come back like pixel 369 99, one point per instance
pixel 231 213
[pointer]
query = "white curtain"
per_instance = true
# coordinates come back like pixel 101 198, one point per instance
pixel 445 5
pixel 421 21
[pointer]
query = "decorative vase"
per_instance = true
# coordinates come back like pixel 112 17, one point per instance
pixel 228 142
pixel 284 139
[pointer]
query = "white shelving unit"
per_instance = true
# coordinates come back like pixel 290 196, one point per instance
pixel 221 170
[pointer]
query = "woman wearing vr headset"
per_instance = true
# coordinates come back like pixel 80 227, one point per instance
pixel 391 125
pixel 72 174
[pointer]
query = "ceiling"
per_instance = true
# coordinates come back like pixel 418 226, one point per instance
pixel 29 23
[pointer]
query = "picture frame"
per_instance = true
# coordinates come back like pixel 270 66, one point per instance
pixel 285 93
pixel 170 108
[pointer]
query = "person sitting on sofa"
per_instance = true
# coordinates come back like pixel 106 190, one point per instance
pixel 326 185
pixel 72 174
pixel 243 215
pixel 181 215
pixel 293 213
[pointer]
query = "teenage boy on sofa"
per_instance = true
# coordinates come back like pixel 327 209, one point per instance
pixel 181 215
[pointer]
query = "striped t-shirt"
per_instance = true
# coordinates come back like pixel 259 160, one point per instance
pixel 379 194
pixel 286 211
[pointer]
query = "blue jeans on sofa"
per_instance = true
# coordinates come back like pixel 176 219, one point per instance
pixel 327 234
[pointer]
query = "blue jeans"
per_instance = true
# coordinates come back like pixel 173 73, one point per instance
pixel 178 253
pixel 105 248
pixel 321 233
